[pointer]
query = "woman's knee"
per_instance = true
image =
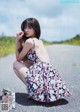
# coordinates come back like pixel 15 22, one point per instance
pixel 18 65
pixel 15 63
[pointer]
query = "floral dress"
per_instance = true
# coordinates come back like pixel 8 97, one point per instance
pixel 44 83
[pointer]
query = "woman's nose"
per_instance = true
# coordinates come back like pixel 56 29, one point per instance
pixel 26 29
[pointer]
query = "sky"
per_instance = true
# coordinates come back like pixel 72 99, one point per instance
pixel 59 19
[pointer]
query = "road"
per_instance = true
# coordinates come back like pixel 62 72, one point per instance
pixel 66 59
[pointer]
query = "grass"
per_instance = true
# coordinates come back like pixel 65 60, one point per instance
pixel 7 44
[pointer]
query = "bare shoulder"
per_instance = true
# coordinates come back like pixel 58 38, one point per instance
pixel 29 41
pixel 38 42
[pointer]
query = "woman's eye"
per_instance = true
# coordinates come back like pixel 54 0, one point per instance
pixel 27 28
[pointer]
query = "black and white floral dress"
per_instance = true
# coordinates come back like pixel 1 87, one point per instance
pixel 44 83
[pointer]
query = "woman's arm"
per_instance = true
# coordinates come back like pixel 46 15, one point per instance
pixel 18 47
pixel 27 46
pixel 18 44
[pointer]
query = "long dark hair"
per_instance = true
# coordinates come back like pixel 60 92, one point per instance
pixel 33 23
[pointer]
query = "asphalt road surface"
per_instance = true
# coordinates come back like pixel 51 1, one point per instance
pixel 66 59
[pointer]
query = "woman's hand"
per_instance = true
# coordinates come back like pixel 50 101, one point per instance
pixel 20 35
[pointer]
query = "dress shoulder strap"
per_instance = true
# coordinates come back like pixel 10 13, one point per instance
pixel 33 43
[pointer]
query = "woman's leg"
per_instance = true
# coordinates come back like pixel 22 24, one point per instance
pixel 20 70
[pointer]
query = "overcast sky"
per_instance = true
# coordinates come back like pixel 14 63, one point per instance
pixel 59 20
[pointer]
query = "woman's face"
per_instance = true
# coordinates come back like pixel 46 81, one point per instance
pixel 29 32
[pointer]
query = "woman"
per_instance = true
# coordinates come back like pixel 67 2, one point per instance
pixel 33 67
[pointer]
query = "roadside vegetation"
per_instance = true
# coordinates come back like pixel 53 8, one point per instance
pixel 7 44
pixel 73 41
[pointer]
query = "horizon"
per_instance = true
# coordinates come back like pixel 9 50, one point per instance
pixel 3 35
